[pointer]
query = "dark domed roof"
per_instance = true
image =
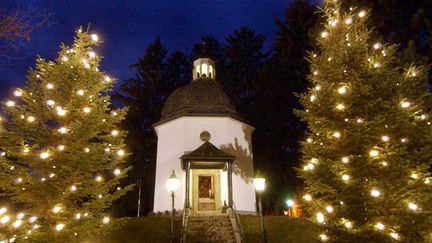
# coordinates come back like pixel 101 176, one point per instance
pixel 204 96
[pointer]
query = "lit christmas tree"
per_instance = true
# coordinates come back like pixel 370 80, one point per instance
pixel 367 156
pixel 61 154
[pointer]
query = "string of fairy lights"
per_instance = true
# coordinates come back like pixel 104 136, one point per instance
pixel 375 152
pixel 22 219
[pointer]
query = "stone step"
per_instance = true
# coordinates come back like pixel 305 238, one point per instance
pixel 210 228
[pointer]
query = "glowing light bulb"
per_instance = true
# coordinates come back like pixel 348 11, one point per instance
pixel 337 134
pixel 98 178
pixel 120 152
pixel 64 58
pixel 31 118
pixel 377 46
pixel 86 110
pixel 375 193
pixel 345 160
pixel 340 107
pixel 405 104
pixel 315 73
pixel 404 140
pixel 324 237
pixel 44 155
pixel 423 117
pixel 412 206
pixel 78 216
pixel 94 37
pixel 92 54
pixel 61 147
pixel 60 111
pixel 320 217
pixel 52 175
pixel 20 215
pixel 87 150
pixel 307 197
pixel 359 120
pixel 107 79
pixel 329 209
pixel 100 196
pixel 309 166
pixel 3 210
pixel 73 188
pixel 309 140
pixel 59 227
pixel 32 219
pixel 345 177
pixel 324 34
pixel 427 181
pixel 80 92
pixel 376 65
pixel 384 163
pixel 380 226
pixel 348 21
pixel 312 98
pixel 348 224
pixel 414 176
pixel 318 87
pixel 17 223
pixel 50 102
pixel 395 235
pixel 10 103
pixel 26 150
pixel 18 93
pixel 62 130
pixel 342 90
pixel 362 14
pixel 107 149
pixel 114 132
pixel 374 153
pixel 49 86
pixel 385 138
pixel 19 180
pixel 117 172
pixel 4 219
pixel 106 220
pixel 56 209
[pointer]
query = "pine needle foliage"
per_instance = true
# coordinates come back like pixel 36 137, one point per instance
pixel 61 154
pixel 369 147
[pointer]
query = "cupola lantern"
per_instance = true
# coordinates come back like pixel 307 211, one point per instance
pixel 204 68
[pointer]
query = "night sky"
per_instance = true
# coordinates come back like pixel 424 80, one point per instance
pixel 127 27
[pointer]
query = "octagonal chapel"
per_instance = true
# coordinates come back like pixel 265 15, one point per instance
pixel 208 145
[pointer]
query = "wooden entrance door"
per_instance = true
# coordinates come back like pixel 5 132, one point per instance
pixel 206 190
pixel 206 193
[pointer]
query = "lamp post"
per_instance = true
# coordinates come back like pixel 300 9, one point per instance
pixel 172 186
pixel 290 204
pixel 259 183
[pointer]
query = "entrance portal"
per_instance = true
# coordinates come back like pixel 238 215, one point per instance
pixel 206 190
pixel 206 199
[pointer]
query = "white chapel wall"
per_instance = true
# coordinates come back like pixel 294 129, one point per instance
pixel 183 134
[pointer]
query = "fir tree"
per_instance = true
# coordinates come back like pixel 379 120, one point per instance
pixel 61 153
pixel 367 156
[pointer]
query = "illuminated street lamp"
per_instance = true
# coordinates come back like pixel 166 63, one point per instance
pixel 173 185
pixel 259 183
pixel 290 204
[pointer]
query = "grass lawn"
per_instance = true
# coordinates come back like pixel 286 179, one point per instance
pixel 280 229
pixel 157 229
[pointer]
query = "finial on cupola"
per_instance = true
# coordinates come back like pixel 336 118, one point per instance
pixel 204 68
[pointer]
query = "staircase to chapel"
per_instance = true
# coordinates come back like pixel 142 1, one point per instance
pixel 212 228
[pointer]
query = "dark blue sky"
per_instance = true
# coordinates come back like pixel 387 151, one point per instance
pixel 128 26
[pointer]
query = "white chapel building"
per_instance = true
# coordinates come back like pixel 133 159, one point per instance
pixel 208 145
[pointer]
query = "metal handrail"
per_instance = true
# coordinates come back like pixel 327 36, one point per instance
pixel 184 225
pixel 238 222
